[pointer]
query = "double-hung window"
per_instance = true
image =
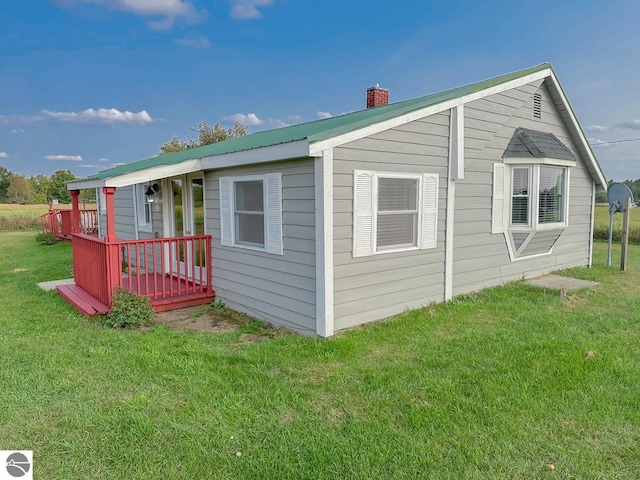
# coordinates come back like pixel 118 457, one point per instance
pixel 397 219
pixel 520 188
pixel 394 212
pixel 251 212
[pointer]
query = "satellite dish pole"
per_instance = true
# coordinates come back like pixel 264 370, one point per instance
pixel 618 196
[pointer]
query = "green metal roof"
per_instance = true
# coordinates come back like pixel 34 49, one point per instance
pixel 317 130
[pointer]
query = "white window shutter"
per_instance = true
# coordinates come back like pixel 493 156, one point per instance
pixel 429 234
pixel 497 219
pixel 226 211
pixel 273 214
pixel 362 213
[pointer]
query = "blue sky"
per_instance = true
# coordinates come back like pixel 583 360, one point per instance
pixel 85 84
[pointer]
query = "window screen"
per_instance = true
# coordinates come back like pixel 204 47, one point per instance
pixel 551 193
pixel 249 212
pixel 520 197
pixel 397 212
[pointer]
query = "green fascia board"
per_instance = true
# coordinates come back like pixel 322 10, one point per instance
pixel 317 130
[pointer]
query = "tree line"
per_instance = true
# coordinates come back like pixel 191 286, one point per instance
pixel 634 186
pixel 20 189
pixel 17 188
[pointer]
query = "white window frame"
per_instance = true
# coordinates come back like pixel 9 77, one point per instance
pixel 252 213
pixel 102 200
pixel 365 241
pixel 534 196
pixel 376 212
pixel 272 211
pixel 142 206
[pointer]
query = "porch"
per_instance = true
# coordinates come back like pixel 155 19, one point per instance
pixel 173 272
pixel 58 222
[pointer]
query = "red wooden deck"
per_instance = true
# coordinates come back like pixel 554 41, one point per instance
pixel 82 301
pixel 167 292
pixel 182 294
pixel 173 272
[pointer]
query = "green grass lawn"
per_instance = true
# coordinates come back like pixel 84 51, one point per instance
pixel 500 384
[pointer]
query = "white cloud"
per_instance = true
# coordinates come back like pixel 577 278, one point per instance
pixel 294 118
pixel 4 155
pixel 104 116
pixel 103 160
pixel 116 164
pixel 324 115
pixel 247 120
pixel 163 14
pixel 71 158
pixel 631 125
pixel 595 142
pixel 277 123
pixel 88 165
pixel 195 40
pixel 17 131
pixel 247 9
pixel 597 128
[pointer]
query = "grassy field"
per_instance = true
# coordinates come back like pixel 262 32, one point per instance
pixel 27 217
pixel 513 382
pixel 601 230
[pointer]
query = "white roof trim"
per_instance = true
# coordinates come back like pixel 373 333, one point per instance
pixel 539 161
pixel 425 112
pixel 141 176
pixel 85 184
pixel 271 153
pixel 581 136
pixel 283 151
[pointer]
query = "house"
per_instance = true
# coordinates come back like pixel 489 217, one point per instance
pixel 334 223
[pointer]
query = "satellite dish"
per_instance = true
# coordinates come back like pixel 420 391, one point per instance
pixel 617 193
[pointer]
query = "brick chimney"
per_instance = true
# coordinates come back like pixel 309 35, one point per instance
pixel 377 96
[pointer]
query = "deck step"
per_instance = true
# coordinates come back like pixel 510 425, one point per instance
pixel 182 301
pixel 82 301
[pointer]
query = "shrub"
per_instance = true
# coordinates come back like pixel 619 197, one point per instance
pixel 46 238
pixel 601 232
pixel 128 310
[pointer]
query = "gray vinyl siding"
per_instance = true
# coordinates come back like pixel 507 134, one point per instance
pixel 277 288
pixel 377 286
pixel 481 259
pixel 124 205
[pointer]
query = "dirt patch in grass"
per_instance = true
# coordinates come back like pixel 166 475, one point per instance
pixel 206 318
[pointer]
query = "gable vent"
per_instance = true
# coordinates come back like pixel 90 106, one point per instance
pixel 537 105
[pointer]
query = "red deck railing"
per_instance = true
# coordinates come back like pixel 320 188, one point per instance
pixel 184 265
pixel 58 222
pixel 90 266
pixel 159 268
